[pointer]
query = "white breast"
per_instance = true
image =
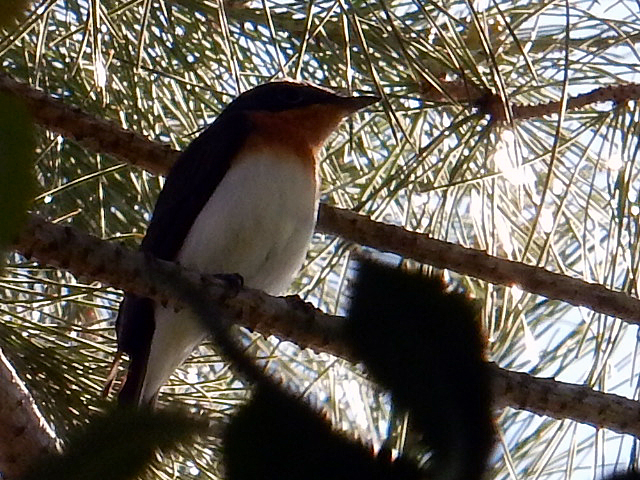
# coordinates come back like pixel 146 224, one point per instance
pixel 257 223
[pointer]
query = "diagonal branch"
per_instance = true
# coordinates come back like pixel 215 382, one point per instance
pixel 546 396
pixel 291 319
pixel 24 434
pixel 476 263
pixel 109 138
pixel 95 133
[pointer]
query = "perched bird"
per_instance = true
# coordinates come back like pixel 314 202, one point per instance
pixel 241 199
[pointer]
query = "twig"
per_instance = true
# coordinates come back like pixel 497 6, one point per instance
pixel 491 104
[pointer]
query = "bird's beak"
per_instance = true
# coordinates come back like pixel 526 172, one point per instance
pixel 353 104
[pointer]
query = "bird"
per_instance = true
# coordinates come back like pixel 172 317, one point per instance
pixel 242 199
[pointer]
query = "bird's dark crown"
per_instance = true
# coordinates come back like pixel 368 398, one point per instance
pixel 283 95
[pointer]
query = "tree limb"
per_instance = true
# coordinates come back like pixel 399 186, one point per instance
pixel 24 434
pixel 290 318
pixel 95 133
pixel 476 263
pixel 546 396
pixel 155 157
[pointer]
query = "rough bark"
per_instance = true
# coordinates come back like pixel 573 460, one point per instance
pixel 24 434
pixel 156 157
pixel 291 319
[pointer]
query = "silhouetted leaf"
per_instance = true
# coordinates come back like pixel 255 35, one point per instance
pixel 425 345
pixel 275 437
pixel 17 184
pixel 118 445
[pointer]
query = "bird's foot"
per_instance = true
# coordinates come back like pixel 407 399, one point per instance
pixel 233 280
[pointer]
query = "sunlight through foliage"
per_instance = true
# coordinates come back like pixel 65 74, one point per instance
pixel 452 150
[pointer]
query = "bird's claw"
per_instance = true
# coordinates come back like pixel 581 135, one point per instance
pixel 233 280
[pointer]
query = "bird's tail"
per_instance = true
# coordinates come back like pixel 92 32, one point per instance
pixel 135 327
pixel 131 392
pixel 157 340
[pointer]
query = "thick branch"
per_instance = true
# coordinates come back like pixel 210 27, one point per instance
pixel 291 319
pixel 546 396
pixel 348 225
pixel 476 263
pixel 95 133
pixel 112 264
pixel 24 434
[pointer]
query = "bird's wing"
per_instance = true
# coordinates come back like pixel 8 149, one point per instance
pixel 190 183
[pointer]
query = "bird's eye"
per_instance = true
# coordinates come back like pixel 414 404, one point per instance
pixel 291 97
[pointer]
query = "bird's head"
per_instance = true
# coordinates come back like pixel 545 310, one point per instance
pixel 296 114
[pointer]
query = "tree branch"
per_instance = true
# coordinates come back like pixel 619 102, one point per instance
pixel 491 104
pixel 546 396
pixel 157 157
pixel 24 434
pixel 290 318
pixel 476 263
pixel 95 133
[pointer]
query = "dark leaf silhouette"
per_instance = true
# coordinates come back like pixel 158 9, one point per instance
pixel 425 345
pixel 119 445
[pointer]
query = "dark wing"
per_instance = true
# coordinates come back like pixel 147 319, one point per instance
pixel 188 187
pixel 190 183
